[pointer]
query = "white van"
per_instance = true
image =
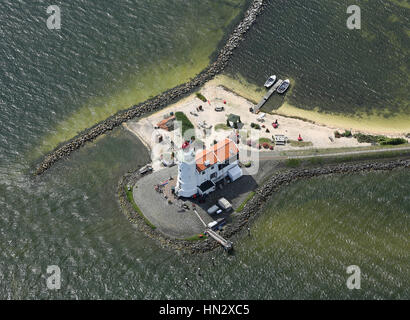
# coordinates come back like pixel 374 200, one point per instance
pixel 224 204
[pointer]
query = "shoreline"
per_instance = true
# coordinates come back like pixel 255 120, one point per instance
pixel 316 136
pixel 365 123
pixel 161 100
pixel 253 206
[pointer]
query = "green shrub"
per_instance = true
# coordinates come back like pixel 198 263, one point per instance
pixel 248 164
pixel 367 138
pixel 201 97
pixel 347 134
pixel 383 140
pixel 393 141
pixel 255 126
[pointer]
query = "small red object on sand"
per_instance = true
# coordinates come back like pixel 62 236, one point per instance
pixel 224 101
pixel 209 102
pixel 300 138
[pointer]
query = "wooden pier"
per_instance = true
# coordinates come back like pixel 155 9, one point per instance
pixel 267 96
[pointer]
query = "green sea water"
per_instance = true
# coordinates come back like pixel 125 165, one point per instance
pixel 332 69
pixel 109 52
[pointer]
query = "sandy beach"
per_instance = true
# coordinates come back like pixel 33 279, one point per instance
pixel 316 136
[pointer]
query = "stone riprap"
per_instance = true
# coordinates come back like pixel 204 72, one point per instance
pixel 255 205
pixel 163 99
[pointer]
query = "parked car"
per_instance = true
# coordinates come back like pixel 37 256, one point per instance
pixel 219 108
pixel 218 224
pixel 213 209
pixel 225 204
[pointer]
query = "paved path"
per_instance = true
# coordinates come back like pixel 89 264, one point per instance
pixel 169 219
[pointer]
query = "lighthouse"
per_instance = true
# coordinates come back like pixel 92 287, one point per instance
pixel 187 176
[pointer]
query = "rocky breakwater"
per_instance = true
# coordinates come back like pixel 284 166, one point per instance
pixel 265 192
pixel 253 207
pixel 163 99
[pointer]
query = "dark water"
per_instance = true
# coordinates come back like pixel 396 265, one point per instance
pixel 112 53
pixel 108 56
pixel 332 68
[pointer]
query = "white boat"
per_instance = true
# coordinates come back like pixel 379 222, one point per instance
pixel 269 83
pixel 284 86
pixel 145 169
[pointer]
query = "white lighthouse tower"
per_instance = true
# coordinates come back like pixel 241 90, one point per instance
pixel 187 177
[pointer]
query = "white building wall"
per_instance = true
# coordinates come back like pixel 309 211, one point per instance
pixel 220 173
pixel 187 175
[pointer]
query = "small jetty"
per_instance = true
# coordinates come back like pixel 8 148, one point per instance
pixel 226 244
pixel 267 95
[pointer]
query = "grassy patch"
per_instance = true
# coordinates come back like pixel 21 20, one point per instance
pixel 300 144
pixel 324 151
pixel 249 197
pixel 186 124
pixel 137 209
pixel 316 161
pixel 222 126
pixel 201 97
pixel 292 163
pixel 265 140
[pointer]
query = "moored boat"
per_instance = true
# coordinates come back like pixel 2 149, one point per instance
pixel 284 86
pixel 270 81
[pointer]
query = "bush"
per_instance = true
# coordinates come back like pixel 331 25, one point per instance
pixel 367 138
pixel 393 141
pixel 347 134
pixel 266 145
pixel 201 97
pixel 248 164
pixel 255 126
pixel 337 134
